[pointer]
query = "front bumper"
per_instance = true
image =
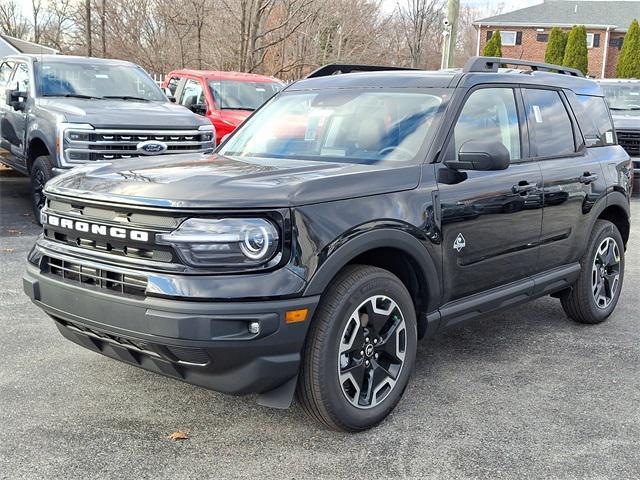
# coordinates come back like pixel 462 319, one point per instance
pixel 203 343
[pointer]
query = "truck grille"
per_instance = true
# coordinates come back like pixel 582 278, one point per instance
pixel 130 284
pixel 83 145
pixel 630 141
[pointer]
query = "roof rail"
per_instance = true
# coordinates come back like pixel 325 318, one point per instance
pixel 491 64
pixel 336 68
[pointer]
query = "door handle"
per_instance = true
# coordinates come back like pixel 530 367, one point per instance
pixel 524 187
pixel 588 177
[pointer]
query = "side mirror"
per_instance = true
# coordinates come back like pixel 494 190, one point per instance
pixel 16 99
pixel 199 108
pixel 481 155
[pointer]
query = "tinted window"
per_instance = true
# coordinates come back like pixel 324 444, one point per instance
pixel 489 113
pixel 172 84
pixel 230 95
pixel 549 123
pixel 595 122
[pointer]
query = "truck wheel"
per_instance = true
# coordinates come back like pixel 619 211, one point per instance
pixel 596 292
pixel 40 175
pixel 360 350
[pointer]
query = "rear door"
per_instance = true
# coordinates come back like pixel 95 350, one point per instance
pixel 491 220
pixel 573 177
pixel 6 70
pixel 14 124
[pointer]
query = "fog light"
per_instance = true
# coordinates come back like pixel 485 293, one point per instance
pixel 254 327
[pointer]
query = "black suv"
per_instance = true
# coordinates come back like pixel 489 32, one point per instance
pixel 348 217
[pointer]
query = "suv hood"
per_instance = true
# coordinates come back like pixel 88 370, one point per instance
pixel 122 113
pixel 214 181
pixel 626 121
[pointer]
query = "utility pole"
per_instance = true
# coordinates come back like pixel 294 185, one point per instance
pixel 449 42
pixel 87 7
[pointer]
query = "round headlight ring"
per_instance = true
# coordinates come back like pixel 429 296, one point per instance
pixel 256 243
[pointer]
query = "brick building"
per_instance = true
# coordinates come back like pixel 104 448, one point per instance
pixel 525 32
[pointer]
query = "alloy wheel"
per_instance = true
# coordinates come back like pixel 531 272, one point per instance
pixel 372 351
pixel 605 273
pixel 39 181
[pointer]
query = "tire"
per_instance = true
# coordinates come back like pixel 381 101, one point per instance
pixel 341 323
pixel 41 173
pixel 580 303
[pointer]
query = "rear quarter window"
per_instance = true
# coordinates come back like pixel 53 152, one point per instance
pixel 595 121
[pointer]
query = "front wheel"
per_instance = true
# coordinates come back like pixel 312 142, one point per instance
pixel 595 294
pixel 360 350
pixel 41 173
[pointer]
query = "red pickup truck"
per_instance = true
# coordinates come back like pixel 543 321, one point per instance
pixel 227 98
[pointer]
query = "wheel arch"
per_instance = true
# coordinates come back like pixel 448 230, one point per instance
pixel 617 211
pixel 37 148
pixel 394 250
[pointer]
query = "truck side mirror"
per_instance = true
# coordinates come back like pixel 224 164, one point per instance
pixel 16 99
pixel 199 108
pixel 481 155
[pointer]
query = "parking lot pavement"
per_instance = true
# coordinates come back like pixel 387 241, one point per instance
pixel 521 394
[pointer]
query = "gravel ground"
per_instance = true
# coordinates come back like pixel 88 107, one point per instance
pixel 521 394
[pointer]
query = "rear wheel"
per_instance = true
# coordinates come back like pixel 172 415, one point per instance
pixel 41 173
pixel 360 350
pixel 595 294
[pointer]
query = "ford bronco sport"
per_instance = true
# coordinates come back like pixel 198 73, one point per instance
pixel 60 111
pixel 350 216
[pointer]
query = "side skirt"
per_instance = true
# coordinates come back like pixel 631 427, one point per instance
pixel 505 296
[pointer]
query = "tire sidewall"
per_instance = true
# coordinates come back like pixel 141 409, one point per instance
pixel 607 229
pixel 44 165
pixel 354 417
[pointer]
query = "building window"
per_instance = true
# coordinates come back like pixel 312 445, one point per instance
pixel 508 38
pixel 589 40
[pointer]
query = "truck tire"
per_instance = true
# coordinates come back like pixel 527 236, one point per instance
pixel 595 294
pixel 41 173
pixel 360 350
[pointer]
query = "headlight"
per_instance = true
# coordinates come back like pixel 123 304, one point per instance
pixel 224 242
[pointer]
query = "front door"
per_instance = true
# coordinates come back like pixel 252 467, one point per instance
pixel 491 220
pixel 14 123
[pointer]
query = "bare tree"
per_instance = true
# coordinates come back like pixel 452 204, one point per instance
pixel 12 22
pixel 418 19
pixel 87 8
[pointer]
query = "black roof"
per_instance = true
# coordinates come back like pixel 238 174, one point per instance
pixel 447 79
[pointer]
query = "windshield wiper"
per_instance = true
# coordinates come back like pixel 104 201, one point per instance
pixel 623 109
pixel 74 95
pixel 127 97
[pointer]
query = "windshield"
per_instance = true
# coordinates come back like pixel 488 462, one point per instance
pixel 232 95
pixel 346 125
pixel 96 81
pixel 622 96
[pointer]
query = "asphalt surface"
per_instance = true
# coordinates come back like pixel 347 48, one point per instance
pixel 521 394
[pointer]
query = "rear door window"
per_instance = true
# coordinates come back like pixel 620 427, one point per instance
pixel 595 121
pixel 549 123
pixel 5 73
pixel 172 84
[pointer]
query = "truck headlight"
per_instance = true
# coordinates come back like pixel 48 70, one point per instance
pixel 224 242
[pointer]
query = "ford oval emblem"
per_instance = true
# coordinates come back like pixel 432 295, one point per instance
pixel 151 147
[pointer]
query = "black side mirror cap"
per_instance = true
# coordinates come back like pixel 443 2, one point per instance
pixel 199 108
pixel 481 155
pixel 16 99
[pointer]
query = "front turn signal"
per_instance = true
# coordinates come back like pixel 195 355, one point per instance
pixel 296 316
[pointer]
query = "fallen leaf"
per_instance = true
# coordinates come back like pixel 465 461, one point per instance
pixel 175 436
pixel 14 232
pixel 7 250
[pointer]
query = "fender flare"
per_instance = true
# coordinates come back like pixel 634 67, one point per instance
pixel 38 135
pixel 380 238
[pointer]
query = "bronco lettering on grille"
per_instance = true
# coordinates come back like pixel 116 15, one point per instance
pixel 95 229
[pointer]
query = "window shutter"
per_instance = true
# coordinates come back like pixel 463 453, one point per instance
pixel 518 38
pixel 489 33
pixel 596 40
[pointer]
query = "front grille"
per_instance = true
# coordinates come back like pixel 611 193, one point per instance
pixel 122 248
pixel 70 271
pixel 630 141
pixel 82 145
